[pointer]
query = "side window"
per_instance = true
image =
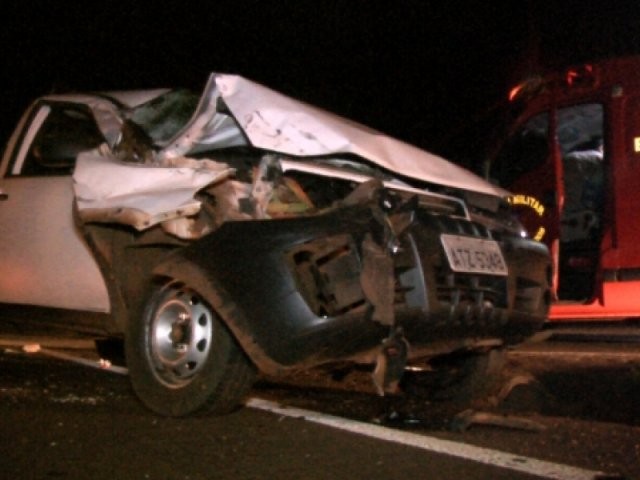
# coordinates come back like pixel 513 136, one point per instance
pixel 524 151
pixel 65 132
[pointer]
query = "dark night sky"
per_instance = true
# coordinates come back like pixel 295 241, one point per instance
pixel 414 69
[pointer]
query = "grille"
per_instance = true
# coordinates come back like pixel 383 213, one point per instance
pixel 459 226
pixel 469 298
pixel 478 291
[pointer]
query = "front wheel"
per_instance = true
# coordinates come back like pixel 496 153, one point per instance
pixel 181 357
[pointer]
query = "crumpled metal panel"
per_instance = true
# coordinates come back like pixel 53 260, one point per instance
pixel 273 121
pixel 234 111
pixel 108 190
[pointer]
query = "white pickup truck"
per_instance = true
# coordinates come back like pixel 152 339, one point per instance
pixel 241 230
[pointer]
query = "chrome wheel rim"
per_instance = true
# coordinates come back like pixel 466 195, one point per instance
pixel 180 336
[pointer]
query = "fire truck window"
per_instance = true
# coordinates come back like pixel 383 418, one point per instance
pixel 580 138
pixel 578 126
pixel 524 151
pixel 581 144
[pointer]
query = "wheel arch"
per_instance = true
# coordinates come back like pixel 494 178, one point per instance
pixel 126 264
pixel 176 268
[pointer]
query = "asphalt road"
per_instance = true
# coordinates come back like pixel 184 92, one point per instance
pixel 63 420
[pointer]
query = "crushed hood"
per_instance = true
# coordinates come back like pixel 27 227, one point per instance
pixel 251 114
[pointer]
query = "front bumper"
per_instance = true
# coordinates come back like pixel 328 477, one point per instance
pixel 303 291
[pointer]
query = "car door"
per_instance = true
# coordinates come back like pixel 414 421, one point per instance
pixel 43 258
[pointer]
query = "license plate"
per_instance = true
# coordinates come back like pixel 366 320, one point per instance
pixel 473 255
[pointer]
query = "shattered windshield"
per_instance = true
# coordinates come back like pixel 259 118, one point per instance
pixel 164 116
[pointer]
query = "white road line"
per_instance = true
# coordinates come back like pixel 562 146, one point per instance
pixel 488 456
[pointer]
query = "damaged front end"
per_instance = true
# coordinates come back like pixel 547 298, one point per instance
pixel 365 281
pixel 309 247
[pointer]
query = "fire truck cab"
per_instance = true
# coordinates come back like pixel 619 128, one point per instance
pixel 572 160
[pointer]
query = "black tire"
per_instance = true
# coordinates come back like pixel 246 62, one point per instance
pixel 182 359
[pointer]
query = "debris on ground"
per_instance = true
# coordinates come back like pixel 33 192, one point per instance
pixel 101 364
pixel 397 419
pixel 464 420
pixel 512 383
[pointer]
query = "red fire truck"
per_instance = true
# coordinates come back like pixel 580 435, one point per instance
pixel 572 160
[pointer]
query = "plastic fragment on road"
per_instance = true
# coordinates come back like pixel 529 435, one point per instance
pixel 464 420
pixel 31 348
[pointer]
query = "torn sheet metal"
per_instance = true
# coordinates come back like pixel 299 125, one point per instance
pixel 377 280
pixel 390 363
pixel 108 190
pixel 144 178
pixel 269 120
